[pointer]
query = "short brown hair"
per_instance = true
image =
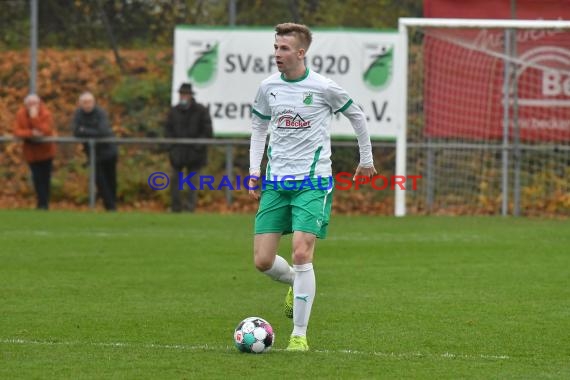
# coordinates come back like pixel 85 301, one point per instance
pixel 300 31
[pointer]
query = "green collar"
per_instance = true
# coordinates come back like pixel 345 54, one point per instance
pixel 296 80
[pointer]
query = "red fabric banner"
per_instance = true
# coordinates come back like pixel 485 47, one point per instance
pixel 464 72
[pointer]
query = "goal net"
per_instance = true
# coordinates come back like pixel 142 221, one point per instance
pixel 488 116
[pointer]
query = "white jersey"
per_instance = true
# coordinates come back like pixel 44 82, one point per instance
pixel 299 113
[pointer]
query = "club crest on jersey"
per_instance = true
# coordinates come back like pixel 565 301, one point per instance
pixel 288 121
pixel 308 98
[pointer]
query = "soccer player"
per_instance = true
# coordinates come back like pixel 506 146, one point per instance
pixel 296 105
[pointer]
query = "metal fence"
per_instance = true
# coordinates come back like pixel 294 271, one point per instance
pixel 228 143
pixel 447 183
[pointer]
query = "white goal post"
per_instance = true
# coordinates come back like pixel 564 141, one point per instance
pixel 486 116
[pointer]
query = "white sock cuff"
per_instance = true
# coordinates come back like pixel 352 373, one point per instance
pixel 277 265
pixel 303 267
pixel 281 271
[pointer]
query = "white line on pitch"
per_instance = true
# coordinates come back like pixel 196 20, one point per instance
pixel 206 347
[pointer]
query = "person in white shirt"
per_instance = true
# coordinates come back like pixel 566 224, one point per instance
pixel 296 106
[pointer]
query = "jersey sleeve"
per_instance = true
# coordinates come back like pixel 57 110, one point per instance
pixel 259 127
pixel 337 97
pixel 260 105
pixel 340 101
pixel 358 121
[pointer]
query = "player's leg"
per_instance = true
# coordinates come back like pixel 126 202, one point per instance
pixel 311 214
pixel 272 220
pixel 267 261
pixel 304 287
pixel 276 267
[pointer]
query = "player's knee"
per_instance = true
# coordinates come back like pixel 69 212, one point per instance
pixel 301 256
pixel 262 263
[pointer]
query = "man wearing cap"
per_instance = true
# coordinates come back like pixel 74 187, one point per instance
pixel 188 119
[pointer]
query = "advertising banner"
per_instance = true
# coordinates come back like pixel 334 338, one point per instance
pixel 226 66
pixel 464 73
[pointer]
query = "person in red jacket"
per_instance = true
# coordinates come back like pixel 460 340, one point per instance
pixel 33 121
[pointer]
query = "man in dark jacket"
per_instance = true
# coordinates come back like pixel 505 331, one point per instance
pixel 188 119
pixel 90 120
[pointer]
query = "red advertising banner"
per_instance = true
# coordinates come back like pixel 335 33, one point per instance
pixel 464 72
pixel 498 9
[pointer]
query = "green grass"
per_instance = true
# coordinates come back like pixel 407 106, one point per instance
pixel 151 296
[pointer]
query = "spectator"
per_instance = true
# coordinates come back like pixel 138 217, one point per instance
pixel 90 120
pixel 188 119
pixel 34 120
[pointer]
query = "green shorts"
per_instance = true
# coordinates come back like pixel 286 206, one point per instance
pixel 295 206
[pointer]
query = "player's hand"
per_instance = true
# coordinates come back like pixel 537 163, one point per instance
pixel 37 133
pixel 252 183
pixel 364 172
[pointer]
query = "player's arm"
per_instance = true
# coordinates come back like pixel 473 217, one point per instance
pixel 340 101
pixel 256 150
pixel 259 126
pixel 260 118
pixel 357 119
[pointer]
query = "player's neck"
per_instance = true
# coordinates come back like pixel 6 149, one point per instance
pixel 296 74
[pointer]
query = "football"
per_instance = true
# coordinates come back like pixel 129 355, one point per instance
pixel 254 335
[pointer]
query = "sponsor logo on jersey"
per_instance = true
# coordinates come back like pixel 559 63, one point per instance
pixel 289 121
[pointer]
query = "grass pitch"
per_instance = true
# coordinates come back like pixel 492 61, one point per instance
pixel 152 296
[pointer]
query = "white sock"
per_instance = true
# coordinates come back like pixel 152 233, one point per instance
pixel 303 293
pixel 281 271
